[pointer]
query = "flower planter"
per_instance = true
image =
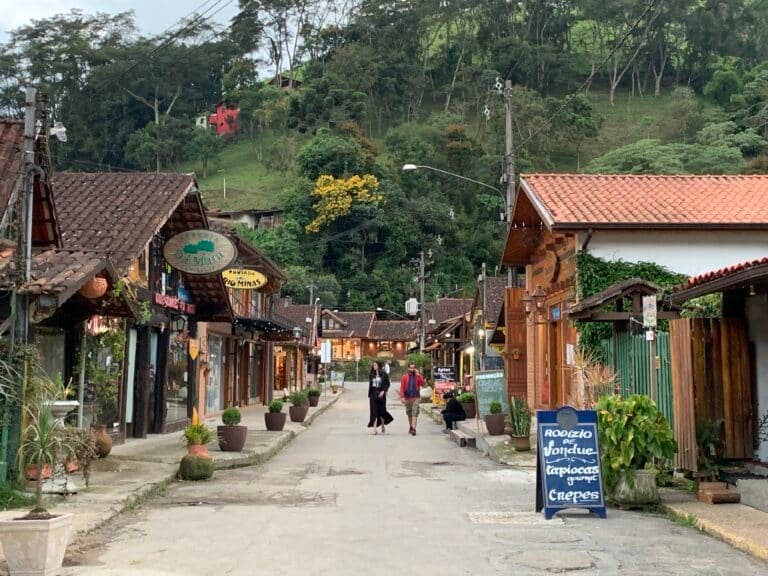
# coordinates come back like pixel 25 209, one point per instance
pixel 196 467
pixel 298 413
pixel 469 409
pixel 30 472
pixel 275 421
pixel 314 401
pixel 35 547
pixel 639 490
pixel 199 450
pixel 231 438
pixel 494 423
pixel 103 440
pixel 520 443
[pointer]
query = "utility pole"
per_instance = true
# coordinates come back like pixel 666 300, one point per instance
pixel 422 278
pixel 509 169
pixel 311 287
pixel 484 334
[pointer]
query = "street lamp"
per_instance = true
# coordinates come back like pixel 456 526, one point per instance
pixel 296 336
pixel 412 167
pixel 380 309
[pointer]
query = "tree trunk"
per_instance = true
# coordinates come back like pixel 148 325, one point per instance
pixel 205 166
pixel 453 81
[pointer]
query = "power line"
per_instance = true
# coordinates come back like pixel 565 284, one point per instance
pixel 589 79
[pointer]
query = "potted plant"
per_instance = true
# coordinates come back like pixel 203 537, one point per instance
pixel 231 435
pixel 494 422
pixel 519 424
pixel 299 406
pixel 275 418
pixel 84 451
pixel 36 542
pixel 105 405
pixel 467 401
pixel 313 394
pixel 197 464
pixel 635 442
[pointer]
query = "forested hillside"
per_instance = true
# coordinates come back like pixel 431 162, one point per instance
pixel 668 86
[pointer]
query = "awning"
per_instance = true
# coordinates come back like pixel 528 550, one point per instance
pixel 268 329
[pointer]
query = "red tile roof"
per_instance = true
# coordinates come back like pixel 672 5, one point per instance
pixel 643 201
pixel 116 213
pixel 723 272
pixel 447 308
pixel 11 156
pixel 388 330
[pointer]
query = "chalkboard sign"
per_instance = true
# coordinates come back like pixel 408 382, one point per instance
pixel 568 471
pixel 489 386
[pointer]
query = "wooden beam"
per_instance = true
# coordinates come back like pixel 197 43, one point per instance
pixel 620 316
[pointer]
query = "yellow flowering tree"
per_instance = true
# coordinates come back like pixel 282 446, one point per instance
pixel 336 197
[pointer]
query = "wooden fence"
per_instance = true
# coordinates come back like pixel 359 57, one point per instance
pixel 712 380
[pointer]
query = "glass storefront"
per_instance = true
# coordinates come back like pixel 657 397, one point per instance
pixel 177 384
pixel 255 372
pixel 213 387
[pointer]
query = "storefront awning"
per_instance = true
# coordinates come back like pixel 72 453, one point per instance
pixel 268 329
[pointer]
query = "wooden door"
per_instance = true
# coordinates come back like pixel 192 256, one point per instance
pixel 557 393
pixel 515 357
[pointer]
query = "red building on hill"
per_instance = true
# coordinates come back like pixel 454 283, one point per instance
pixel 226 120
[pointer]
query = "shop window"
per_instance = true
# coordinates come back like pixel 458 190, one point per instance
pixel 177 384
pixel 50 346
pixel 385 346
pixel 214 380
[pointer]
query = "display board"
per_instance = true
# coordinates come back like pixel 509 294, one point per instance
pixel 490 385
pixel 445 381
pixel 568 462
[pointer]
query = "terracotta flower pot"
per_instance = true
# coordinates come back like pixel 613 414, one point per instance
pixel 199 450
pixel 494 423
pixel 30 472
pixel 103 440
pixel 520 443
pixel 469 409
pixel 314 401
pixel 275 421
pixel 231 438
pixel 298 413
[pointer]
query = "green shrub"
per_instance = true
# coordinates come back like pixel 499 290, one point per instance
pixel 634 435
pixel 494 407
pixel 198 434
pixel 466 398
pixel 231 416
pixel 276 406
pixel 519 416
pixel 195 468
pixel 313 392
pixel 299 398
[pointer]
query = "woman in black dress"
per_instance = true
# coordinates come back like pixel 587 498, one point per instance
pixel 378 385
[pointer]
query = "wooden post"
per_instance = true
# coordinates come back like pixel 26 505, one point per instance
pixel 141 393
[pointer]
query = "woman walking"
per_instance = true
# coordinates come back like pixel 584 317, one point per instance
pixel 378 385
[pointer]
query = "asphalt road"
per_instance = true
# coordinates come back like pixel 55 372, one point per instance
pixel 340 501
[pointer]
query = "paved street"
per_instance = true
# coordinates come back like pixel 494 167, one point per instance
pixel 340 501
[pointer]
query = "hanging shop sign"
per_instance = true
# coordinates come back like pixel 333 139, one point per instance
pixel 242 279
pixel 194 348
pixel 200 252
pixel 568 462
pixel 173 303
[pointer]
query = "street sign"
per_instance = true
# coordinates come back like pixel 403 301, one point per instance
pixel 568 462
pixel 649 311
pixel 325 352
pixel 490 385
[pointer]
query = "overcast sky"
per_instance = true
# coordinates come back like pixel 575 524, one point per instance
pixel 152 16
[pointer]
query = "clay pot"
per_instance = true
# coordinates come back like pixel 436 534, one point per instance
pixel 469 409
pixel 199 450
pixel 639 490
pixel 275 421
pixel 102 439
pixel 231 438
pixel 72 466
pixel 298 413
pixel 94 288
pixel 520 443
pixel 314 401
pixel 494 423
pixel 30 472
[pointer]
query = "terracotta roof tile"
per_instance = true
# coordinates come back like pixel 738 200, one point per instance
pixel 723 273
pixel 446 308
pixel 581 200
pixel 404 330
pixel 116 213
pixel 11 156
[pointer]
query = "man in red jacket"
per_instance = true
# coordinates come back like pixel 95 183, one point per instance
pixel 410 385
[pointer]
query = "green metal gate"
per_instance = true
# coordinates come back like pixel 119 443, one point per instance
pixel 629 355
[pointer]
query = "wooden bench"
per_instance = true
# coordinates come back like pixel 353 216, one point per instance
pixel 463 439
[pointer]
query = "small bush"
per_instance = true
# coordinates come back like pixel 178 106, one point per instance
pixel 231 416
pixel 495 407
pixel 195 468
pixel 313 392
pixel 299 398
pixel 11 499
pixel 276 406
pixel 198 434
pixel 466 397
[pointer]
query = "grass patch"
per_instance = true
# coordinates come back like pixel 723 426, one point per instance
pixel 12 499
pixel 683 519
pixel 156 491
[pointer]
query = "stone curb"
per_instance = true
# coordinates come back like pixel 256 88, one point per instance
pixel 711 528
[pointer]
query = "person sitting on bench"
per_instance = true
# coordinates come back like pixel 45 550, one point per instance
pixel 453 412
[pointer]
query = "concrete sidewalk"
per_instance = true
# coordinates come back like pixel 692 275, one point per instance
pixel 743 527
pixel 497 448
pixel 141 468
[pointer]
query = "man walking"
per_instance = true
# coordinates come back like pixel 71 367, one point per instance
pixel 410 385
